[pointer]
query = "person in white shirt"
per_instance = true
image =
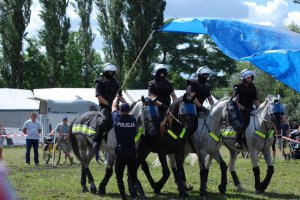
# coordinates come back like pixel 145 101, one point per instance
pixel 32 128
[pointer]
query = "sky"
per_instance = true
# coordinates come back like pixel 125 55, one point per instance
pixel 278 13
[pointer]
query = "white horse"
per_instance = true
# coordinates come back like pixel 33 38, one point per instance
pixel 258 138
pixel 206 140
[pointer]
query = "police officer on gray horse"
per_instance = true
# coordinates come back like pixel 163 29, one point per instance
pixel 106 89
pixel 125 130
pixel 247 96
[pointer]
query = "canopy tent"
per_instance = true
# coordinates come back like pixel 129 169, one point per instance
pixel 273 50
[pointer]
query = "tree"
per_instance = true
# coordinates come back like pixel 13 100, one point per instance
pixel 84 9
pixel 296 1
pixel 35 68
pixel 125 27
pixel 112 29
pixel 13 22
pixel 54 36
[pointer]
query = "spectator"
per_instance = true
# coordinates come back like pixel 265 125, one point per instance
pixel 32 128
pixel 61 131
pixel 1 141
pixel 284 131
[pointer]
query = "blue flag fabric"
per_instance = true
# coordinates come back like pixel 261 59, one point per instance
pixel 273 50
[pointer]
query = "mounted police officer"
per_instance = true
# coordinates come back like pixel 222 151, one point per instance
pixel 106 89
pixel 125 130
pixel 200 88
pixel 161 89
pixel 247 96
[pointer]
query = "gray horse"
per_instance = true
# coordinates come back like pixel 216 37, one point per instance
pixel 81 134
pixel 258 137
pixel 206 140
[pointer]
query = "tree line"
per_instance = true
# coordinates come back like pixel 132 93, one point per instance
pixel 58 57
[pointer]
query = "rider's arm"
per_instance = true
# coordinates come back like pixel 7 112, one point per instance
pixel 102 100
pixel 256 103
pixel 210 100
pixel 173 95
pixel 115 104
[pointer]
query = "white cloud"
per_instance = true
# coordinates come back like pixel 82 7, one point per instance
pixel 273 13
pixel 204 8
pixel 35 21
pixel 293 17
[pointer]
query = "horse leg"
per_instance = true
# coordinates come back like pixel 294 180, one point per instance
pixel 223 168
pixel 203 173
pixel 88 173
pixel 231 165
pixel 165 171
pixel 256 171
pixel 180 174
pixel 270 170
pixel 103 183
pixel 142 155
pixel 83 180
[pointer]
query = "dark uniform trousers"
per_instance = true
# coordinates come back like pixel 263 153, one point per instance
pixel 105 124
pixel 127 158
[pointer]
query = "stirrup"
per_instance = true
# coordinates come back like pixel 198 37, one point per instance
pixel 238 145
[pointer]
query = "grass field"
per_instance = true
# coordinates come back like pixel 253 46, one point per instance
pixel 63 181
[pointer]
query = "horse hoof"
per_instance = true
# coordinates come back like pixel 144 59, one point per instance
pixel 157 192
pixel 259 192
pixel 101 191
pixel 85 189
pixel 134 195
pixel 188 187
pixel 183 194
pixel 222 189
pixel 93 189
pixel 240 189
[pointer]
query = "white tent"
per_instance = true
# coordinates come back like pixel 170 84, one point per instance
pixel 16 106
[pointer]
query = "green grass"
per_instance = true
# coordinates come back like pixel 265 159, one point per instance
pixel 63 181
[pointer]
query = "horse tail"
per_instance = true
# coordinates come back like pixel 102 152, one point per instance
pixel 74 142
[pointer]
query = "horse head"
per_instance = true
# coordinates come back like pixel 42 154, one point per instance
pixel 150 115
pixel 275 110
pixel 232 114
pixel 181 114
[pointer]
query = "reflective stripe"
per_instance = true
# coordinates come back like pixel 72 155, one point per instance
pixel 228 133
pixel 139 134
pixel 260 134
pixel 172 134
pixel 213 136
pixel 80 128
pixel 271 134
pixel 182 133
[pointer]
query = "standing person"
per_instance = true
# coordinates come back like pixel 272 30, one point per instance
pixel 247 96
pixel 106 89
pixel 284 131
pixel 125 130
pixel 32 128
pixel 61 131
pixel 1 141
pixel 161 89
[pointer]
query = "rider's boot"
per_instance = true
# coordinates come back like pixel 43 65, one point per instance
pixel 98 137
pixel 239 143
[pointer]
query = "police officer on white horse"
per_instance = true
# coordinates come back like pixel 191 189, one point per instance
pixel 125 130
pixel 247 96
pixel 106 89
pixel 201 88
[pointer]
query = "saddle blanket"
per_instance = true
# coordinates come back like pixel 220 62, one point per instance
pixel 87 123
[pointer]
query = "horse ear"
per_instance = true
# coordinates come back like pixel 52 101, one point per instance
pixel 184 99
pixel 193 98
pixel 278 96
pixel 234 98
pixel 143 99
